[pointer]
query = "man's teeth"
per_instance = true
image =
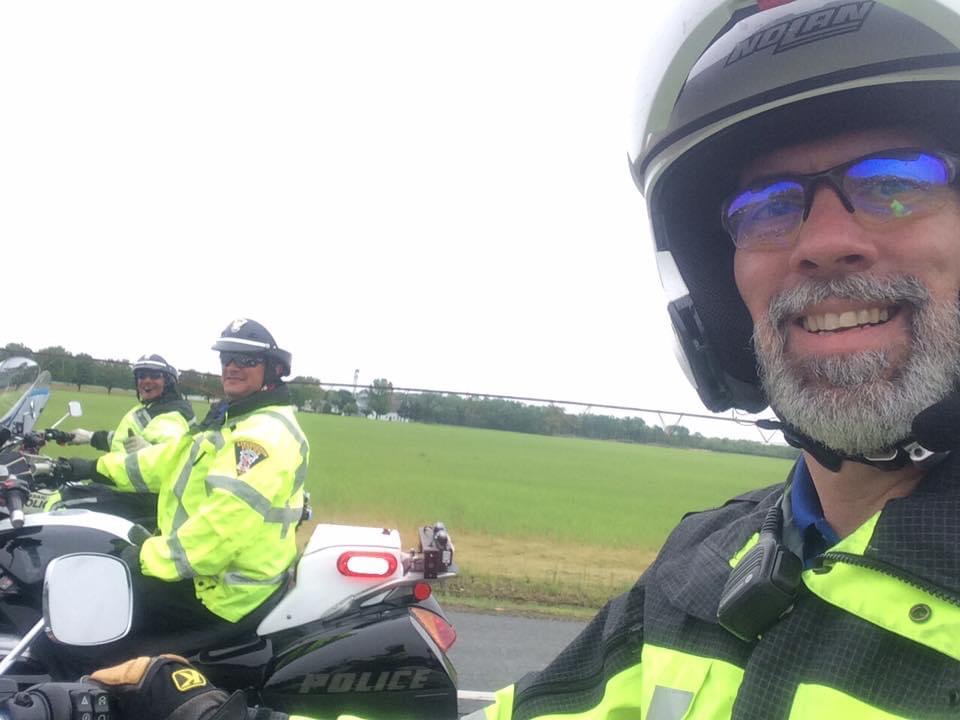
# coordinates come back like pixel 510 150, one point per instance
pixel 849 319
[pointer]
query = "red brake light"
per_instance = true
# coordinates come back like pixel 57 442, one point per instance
pixel 421 591
pixel 367 564
pixel 767 4
pixel 439 629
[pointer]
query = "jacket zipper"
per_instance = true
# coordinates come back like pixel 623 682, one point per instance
pixel 551 687
pixel 892 571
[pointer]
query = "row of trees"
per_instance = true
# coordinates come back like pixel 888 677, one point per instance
pixel 80 369
pixel 500 414
pixel 380 398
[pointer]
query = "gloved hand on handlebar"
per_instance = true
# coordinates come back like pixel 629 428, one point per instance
pixel 167 687
pixel 134 443
pixel 79 437
pixel 71 469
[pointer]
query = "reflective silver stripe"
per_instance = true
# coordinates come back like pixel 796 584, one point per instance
pixel 142 418
pixel 177 553
pixel 244 341
pixel 132 467
pixel 301 475
pixel 286 515
pixel 179 557
pixel 235 578
pixel 669 703
pixel 242 490
pixel 180 516
pixel 216 437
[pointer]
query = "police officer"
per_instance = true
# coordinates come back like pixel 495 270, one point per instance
pixel 161 414
pixel 799 165
pixel 231 493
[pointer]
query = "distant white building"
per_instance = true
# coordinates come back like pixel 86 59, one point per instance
pixel 389 417
pixel 363 401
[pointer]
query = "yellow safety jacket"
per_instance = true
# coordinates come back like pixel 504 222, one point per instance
pixel 230 499
pixel 874 632
pixel 162 420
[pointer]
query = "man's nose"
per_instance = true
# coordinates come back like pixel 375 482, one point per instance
pixel 831 242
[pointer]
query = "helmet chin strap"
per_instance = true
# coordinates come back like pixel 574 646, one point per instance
pixel 935 433
pixel 907 451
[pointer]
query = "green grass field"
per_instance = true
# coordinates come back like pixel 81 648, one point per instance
pixel 534 518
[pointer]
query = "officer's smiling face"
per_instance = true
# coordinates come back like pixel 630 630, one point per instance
pixel 854 385
pixel 150 385
pixel 240 382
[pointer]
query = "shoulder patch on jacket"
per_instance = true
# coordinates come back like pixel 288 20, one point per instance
pixel 248 455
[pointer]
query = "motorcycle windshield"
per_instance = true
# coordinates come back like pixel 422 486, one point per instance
pixel 24 391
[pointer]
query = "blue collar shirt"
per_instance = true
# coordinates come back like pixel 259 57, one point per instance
pixel 808 517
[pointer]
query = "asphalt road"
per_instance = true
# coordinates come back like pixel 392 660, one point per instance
pixel 494 650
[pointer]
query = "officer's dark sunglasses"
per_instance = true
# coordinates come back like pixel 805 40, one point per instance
pixel 147 374
pixel 244 360
pixel 879 187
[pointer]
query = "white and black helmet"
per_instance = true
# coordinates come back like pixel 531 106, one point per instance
pixel 251 338
pixel 734 80
pixel 156 363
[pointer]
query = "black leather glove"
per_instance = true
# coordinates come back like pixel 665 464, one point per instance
pixel 70 469
pixel 167 687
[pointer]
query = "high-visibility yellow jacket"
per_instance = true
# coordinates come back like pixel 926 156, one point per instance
pixel 874 632
pixel 159 421
pixel 230 498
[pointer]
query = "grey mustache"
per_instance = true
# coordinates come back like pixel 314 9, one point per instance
pixel 863 288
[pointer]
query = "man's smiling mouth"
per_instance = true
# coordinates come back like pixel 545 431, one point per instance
pixel 833 322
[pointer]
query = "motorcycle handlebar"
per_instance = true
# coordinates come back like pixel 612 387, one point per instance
pixel 58 436
pixel 13 497
pixel 60 701
pixel 13 492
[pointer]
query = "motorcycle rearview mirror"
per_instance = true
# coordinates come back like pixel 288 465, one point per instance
pixel 74 409
pixel 87 600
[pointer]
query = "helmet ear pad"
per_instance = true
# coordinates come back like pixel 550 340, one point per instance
pixel 273 372
pixel 704 254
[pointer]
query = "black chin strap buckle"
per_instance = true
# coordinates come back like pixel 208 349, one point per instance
pixel 903 454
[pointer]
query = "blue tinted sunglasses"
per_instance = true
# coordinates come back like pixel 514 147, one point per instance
pixel 882 186
pixel 244 360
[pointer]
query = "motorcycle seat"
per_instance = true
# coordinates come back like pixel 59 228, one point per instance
pixel 226 634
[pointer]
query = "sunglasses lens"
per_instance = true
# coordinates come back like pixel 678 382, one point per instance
pixel 898 186
pixel 240 360
pixel 767 215
pixel 147 374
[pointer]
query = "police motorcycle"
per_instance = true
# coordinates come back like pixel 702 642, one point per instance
pixel 356 630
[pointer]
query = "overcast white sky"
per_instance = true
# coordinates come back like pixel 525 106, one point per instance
pixel 432 192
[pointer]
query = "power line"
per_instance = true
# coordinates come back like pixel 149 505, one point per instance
pixel 681 414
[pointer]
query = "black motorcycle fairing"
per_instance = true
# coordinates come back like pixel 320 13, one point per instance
pixel 139 508
pixel 25 552
pixel 337 668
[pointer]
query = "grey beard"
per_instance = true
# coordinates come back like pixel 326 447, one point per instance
pixel 858 403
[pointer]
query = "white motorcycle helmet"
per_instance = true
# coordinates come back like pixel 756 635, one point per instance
pixel 736 79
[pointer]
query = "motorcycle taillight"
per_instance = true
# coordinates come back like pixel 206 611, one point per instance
pixel 439 629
